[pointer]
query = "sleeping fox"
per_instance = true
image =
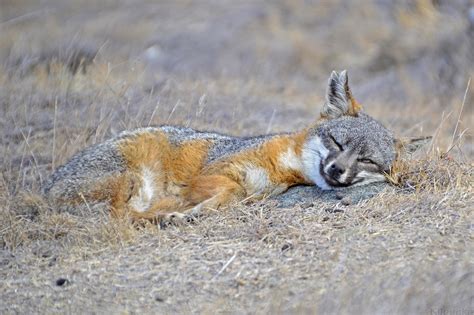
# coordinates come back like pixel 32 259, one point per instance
pixel 170 173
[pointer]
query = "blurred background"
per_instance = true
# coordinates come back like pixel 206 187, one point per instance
pixel 75 72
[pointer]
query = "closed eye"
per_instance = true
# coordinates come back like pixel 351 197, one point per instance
pixel 366 161
pixel 338 145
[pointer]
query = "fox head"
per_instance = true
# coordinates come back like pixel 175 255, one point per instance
pixel 346 147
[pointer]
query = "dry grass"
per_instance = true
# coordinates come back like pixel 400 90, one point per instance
pixel 404 248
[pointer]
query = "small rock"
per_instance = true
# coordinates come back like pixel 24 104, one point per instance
pixel 159 299
pixel 325 219
pixel 286 247
pixel 62 281
pixel 306 204
pixel 339 195
pixel 346 201
pixel 52 262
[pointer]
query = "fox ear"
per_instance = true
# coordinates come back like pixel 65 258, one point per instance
pixel 411 145
pixel 339 99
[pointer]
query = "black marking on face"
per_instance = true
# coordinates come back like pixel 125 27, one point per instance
pixel 336 170
pixel 336 144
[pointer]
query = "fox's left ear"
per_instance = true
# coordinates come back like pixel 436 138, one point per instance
pixel 339 99
pixel 410 145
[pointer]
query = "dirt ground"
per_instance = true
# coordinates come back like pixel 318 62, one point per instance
pixel 74 73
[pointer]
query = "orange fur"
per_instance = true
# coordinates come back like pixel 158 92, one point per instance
pixel 182 181
pixel 160 208
pixel 354 107
pixel 172 168
pixel 214 191
pixel 222 182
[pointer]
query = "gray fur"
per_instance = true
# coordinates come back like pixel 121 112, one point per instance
pixel 222 148
pixel 337 98
pixel 175 134
pixel 85 168
pixel 178 134
pixel 359 148
pixel 363 135
pixel 222 145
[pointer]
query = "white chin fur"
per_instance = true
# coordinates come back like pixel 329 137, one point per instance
pixel 313 152
pixel 369 178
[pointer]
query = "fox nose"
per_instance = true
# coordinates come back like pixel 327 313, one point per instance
pixel 336 170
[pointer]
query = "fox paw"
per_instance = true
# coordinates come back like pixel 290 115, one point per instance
pixel 175 218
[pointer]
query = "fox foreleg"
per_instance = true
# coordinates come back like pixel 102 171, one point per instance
pixel 209 194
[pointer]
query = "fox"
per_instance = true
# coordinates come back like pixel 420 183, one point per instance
pixel 171 173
